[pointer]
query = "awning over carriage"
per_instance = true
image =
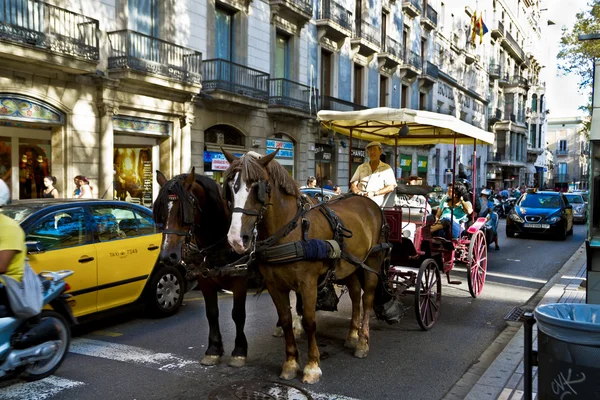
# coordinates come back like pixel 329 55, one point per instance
pixel 386 126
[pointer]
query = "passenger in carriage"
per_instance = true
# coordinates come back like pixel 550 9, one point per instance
pixel 455 204
pixel 410 199
pixel 375 178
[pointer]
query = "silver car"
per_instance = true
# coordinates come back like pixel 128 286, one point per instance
pixel 580 212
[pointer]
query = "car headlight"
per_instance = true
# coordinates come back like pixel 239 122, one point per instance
pixel 515 217
pixel 578 209
pixel 553 220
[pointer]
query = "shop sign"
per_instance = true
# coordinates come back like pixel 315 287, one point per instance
pixel 286 149
pixel 145 126
pixel 217 160
pixel 422 164
pixel 282 153
pixel 323 152
pixel 219 165
pixel 358 156
pixel 405 162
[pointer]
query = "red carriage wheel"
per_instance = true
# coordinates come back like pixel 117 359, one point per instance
pixel 477 263
pixel 428 294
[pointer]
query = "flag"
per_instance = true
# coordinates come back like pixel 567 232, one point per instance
pixel 473 27
pixel 481 28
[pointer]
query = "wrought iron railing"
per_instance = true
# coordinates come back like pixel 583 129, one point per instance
pixel 415 3
pixel 562 178
pixel 49 27
pixel 519 80
pixel 495 70
pixel 331 103
pixel 497 157
pixel 219 74
pixel 494 113
pixel 413 59
pixel 562 152
pixel 393 47
pixel 431 14
pixel 304 5
pixel 501 28
pixel 515 45
pixel 431 70
pixel 139 52
pixel 286 93
pixel 337 13
pixel 368 32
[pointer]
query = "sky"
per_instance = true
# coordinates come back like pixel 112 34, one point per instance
pixel 563 96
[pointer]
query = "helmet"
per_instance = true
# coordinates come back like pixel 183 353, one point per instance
pixel 486 192
pixel 4 193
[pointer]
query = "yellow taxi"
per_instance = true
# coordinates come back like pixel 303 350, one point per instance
pixel 112 247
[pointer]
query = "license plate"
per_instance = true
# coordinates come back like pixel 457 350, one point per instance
pixel 537 226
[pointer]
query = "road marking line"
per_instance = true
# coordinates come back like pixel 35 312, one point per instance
pixel 38 390
pixel 328 396
pixel 129 354
pixel 107 333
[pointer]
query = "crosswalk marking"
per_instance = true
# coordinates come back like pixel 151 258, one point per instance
pixel 39 390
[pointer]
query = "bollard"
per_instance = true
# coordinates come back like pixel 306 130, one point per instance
pixel 530 359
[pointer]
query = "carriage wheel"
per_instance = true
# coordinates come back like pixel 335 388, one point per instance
pixel 428 294
pixel 477 265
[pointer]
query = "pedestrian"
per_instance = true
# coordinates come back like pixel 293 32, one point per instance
pixel 328 184
pixel 487 212
pixel 85 190
pixel 311 182
pixel 50 192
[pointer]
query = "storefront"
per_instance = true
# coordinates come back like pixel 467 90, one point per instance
pixel 405 166
pixel 215 138
pixel 285 156
pixel 324 163
pixel 422 164
pixel 358 158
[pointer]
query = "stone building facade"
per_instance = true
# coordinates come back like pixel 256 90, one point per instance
pixel 570 149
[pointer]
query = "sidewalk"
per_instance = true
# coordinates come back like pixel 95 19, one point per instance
pixel 503 378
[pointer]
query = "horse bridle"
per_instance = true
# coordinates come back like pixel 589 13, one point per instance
pixel 189 234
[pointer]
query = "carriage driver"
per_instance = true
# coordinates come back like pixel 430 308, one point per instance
pixel 374 178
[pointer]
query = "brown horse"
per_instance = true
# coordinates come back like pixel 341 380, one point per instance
pixel 191 211
pixel 265 199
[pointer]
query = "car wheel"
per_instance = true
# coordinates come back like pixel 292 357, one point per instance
pixel 563 234
pixel 510 234
pixel 165 292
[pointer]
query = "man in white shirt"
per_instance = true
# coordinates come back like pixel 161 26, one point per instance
pixel 373 179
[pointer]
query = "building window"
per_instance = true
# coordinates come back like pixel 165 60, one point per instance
pixel 282 57
pixel 404 99
pixel 542 103
pixel 358 83
pixel 422 101
pixel 325 73
pixel 224 34
pixel 532 135
pixel 144 17
pixel 383 84
pixel 562 146
pixel 534 103
pixel 384 17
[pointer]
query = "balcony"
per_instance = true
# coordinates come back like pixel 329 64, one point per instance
pixel 391 53
pixel 518 80
pixel 296 10
pixel 511 45
pixel 334 21
pixel 562 153
pixel 331 103
pixel 429 19
pixel 412 7
pixel 498 30
pixel 562 178
pixel 366 38
pixel 36 32
pixel 412 65
pixel 494 71
pixel 289 98
pixel 429 75
pixel 503 80
pixel 531 148
pixel 494 115
pixel 140 57
pixel 495 157
pixel 231 83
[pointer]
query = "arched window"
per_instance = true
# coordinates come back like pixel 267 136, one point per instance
pixel 534 103
pixel 542 103
pixel 224 134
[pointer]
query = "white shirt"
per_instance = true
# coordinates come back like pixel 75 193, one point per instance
pixel 372 181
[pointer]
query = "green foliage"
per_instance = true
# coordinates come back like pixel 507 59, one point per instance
pixel 577 57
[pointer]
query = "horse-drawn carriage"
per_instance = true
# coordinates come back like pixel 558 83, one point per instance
pixel 418 257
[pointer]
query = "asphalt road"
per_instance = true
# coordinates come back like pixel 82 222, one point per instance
pixel 132 357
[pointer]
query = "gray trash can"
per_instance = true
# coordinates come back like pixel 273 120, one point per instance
pixel 568 351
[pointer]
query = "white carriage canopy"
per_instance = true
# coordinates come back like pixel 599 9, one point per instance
pixel 385 125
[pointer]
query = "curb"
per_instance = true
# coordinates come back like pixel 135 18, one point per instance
pixel 486 378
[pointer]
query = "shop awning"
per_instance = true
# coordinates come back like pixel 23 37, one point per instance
pixel 531 168
pixel 385 124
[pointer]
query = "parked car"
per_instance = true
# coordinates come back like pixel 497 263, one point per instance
pixel 319 194
pixel 546 213
pixel 579 206
pixel 112 246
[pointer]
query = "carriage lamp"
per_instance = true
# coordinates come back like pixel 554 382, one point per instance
pixel 403 131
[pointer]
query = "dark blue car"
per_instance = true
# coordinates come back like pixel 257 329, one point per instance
pixel 547 213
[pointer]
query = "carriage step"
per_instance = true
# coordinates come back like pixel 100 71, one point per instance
pixel 515 316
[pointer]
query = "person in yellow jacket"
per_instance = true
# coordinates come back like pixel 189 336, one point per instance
pixel 12 241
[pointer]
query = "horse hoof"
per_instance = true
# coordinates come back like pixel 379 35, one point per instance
pixel 351 342
pixel 312 375
pixel 298 333
pixel 278 331
pixel 237 361
pixel 361 353
pixel 210 361
pixel 289 370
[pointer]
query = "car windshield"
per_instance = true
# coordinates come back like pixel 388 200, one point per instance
pixel 17 213
pixel 585 197
pixel 574 199
pixel 539 200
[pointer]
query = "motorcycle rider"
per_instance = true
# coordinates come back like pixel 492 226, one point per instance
pixel 12 246
pixel 487 211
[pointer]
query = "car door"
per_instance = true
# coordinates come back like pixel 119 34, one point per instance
pixel 568 210
pixel 127 246
pixel 65 242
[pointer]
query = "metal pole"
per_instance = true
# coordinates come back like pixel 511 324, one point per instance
pixel 453 182
pixel 350 162
pixel 474 178
pixel 530 357
pixel 396 156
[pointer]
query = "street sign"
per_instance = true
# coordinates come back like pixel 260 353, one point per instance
pixel 448 171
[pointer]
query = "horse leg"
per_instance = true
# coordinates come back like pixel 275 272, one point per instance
pixel 312 371
pixel 215 342
pixel 297 321
pixel 370 283
pixel 354 290
pixel 240 352
pixel 281 299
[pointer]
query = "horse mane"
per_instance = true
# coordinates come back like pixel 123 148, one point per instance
pixel 252 171
pixel 212 211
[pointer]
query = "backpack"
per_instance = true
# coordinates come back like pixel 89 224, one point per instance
pixel 25 297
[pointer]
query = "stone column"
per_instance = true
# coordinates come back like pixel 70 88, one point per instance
pixel 185 146
pixel 107 145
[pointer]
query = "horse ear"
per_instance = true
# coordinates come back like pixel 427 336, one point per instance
pixel 229 156
pixel 160 178
pixel 264 161
pixel 190 179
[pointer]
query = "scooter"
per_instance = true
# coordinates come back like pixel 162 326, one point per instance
pixel 34 348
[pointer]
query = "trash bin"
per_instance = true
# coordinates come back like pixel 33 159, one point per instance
pixel 568 351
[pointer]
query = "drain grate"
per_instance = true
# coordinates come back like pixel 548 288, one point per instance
pixel 516 315
pixel 258 390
